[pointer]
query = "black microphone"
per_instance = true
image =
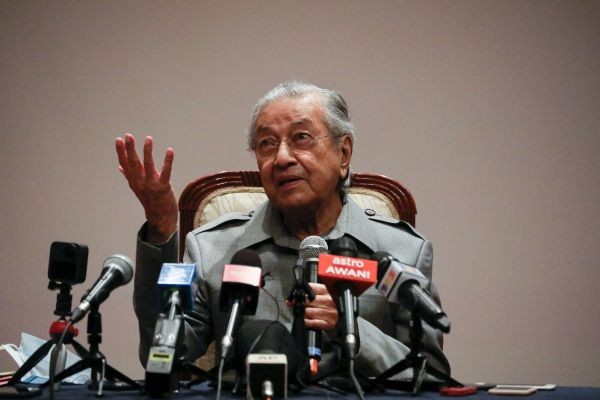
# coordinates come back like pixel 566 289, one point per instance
pixel 310 250
pixel 271 357
pixel 404 284
pixel 117 271
pixel 239 291
pixel 347 301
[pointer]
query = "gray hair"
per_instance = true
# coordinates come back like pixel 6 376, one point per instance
pixel 336 118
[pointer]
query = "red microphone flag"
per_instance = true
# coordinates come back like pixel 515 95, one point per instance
pixel 334 269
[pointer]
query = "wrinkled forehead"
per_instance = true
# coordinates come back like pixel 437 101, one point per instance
pixel 287 111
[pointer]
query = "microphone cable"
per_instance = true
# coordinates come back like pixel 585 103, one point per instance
pixel 220 377
pixel 271 296
pixel 357 387
pixel 54 359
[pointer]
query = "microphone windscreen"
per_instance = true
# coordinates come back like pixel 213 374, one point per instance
pixel 241 280
pixel 123 264
pixel 311 247
pixel 383 259
pixel 267 337
pixel 246 257
pixel 344 246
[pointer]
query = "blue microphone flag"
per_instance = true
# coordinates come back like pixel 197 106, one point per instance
pixel 180 277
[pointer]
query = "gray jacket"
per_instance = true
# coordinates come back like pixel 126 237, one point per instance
pixel 383 327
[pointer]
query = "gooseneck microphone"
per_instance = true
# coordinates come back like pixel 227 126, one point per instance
pixel 239 291
pixel 117 271
pixel 404 284
pixel 310 250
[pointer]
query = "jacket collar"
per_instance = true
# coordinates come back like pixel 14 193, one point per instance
pixel 266 224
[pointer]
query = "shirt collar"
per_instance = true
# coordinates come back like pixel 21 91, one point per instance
pixel 266 223
pixel 353 221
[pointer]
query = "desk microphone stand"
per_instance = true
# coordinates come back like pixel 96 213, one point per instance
pixel 96 361
pixel 416 360
pixel 63 310
pixel 56 329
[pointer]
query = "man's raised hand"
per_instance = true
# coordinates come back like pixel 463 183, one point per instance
pixel 152 188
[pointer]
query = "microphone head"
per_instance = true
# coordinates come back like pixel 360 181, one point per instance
pixel 344 246
pixel 246 257
pixel 121 263
pixel 383 259
pixel 241 280
pixel 267 337
pixel 312 247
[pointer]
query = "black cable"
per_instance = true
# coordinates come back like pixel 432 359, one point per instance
pixel 54 359
pixel 259 337
pixel 220 378
pixel 354 380
pixel 268 274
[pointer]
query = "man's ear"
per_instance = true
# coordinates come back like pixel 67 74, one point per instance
pixel 346 147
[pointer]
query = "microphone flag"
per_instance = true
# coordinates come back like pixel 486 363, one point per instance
pixel 334 268
pixel 180 277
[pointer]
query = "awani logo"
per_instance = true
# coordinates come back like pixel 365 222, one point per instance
pixel 348 261
pixel 348 267
pixel 348 271
pixel 334 269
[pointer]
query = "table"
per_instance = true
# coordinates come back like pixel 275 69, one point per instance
pixel 202 391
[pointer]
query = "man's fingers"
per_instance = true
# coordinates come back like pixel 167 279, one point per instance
pixel 165 173
pixel 148 159
pixel 133 161
pixel 318 288
pixel 317 324
pixel 320 318
pixel 121 153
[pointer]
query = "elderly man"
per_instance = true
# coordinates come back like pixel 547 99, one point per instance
pixel 302 138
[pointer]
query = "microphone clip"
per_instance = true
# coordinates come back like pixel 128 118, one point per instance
pixel 301 290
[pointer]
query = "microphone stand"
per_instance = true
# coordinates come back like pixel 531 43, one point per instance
pixel 96 361
pixel 416 360
pixel 63 309
pixel 298 296
pixel 358 379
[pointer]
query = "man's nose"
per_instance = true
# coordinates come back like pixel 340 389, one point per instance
pixel 284 155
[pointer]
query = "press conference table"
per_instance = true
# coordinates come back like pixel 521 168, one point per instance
pixel 202 391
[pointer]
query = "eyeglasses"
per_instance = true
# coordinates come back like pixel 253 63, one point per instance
pixel 299 142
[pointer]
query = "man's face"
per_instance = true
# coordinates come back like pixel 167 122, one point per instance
pixel 300 180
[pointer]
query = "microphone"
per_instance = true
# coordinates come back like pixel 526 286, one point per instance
pixel 239 291
pixel 117 270
pixel 347 277
pixel 179 279
pixel 403 284
pixel 271 358
pixel 176 286
pixel 310 250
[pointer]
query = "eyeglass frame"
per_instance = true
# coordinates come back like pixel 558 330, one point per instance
pixel 290 144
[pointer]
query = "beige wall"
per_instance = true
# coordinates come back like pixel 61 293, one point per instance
pixel 486 110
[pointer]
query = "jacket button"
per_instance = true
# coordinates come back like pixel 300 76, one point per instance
pixel 370 212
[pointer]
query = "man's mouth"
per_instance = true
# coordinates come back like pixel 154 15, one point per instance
pixel 288 181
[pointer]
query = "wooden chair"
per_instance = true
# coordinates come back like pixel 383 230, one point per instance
pixel 213 195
